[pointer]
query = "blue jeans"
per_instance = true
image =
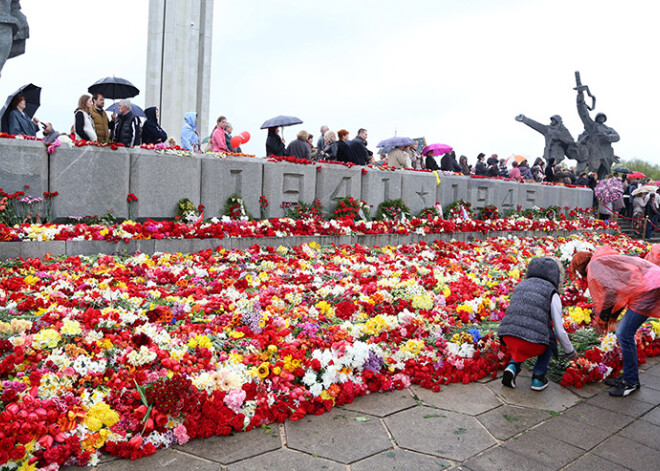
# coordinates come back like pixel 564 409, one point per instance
pixel 542 362
pixel 649 227
pixel 625 334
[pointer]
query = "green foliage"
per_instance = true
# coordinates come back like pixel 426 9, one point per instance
pixel 302 210
pixel 108 219
pixel 489 212
pixel 454 209
pixel 185 207
pixel 429 213
pixel 650 170
pixel 392 210
pixel 235 208
pixel 8 214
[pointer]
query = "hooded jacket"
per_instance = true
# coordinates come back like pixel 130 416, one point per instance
pixel 528 315
pixel 189 136
pixel 152 133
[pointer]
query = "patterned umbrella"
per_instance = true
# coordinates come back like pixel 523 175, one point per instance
pixel 609 190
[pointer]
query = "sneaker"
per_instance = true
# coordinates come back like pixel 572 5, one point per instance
pixel 509 376
pixel 539 383
pixel 612 382
pixel 624 389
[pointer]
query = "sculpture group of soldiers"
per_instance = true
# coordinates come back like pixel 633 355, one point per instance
pixel 593 148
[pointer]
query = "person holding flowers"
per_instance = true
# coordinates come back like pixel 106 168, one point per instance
pixel 533 322
pixel 617 282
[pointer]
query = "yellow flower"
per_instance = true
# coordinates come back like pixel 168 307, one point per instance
pixel 263 370
pixel 413 346
pixel 579 315
pixel 446 291
pixel 655 325
pixel 30 280
pixel 423 301
pixel 236 335
pixel 290 364
pixel 201 341
pixel 100 414
pixel 25 466
pixel 47 338
pixel 375 325
pixel 515 273
pixel 70 327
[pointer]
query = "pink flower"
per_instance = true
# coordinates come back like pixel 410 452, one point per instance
pixel 181 434
pixel 235 399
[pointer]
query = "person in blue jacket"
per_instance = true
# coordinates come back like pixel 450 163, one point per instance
pixel 19 122
pixel 152 133
pixel 189 135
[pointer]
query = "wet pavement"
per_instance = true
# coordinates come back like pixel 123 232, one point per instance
pixel 481 426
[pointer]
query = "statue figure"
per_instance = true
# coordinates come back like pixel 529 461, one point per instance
pixel 594 145
pixel 14 30
pixel 558 140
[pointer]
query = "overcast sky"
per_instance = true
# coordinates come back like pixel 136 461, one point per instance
pixel 455 72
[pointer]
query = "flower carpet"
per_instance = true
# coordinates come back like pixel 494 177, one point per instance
pixel 125 355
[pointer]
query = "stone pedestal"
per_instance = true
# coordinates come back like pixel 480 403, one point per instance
pixel 287 183
pixel 222 178
pixel 379 186
pixel 418 190
pixel 159 181
pixel 507 195
pixel 90 181
pixel 335 182
pixel 23 163
pixel 481 192
pixel 452 188
pixel 530 195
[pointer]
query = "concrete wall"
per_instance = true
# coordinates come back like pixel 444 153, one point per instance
pixel 92 180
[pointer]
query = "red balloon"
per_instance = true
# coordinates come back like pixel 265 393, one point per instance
pixel 236 141
pixel 246 136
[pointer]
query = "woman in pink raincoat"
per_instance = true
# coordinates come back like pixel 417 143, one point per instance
pixel 617 282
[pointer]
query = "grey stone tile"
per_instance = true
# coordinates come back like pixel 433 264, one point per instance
pixel 502 459
pixel 536 445
pixel 382 405
pixel 10 250
pixel 471 399
pixel 286 460
pixel 650 380
pixel 598 417
pixel 628 453
pixel 631 405
pixel 400 460
pixel 340 435
pixel 575 433
pixel 589 389
pixel 654 370
pixel 507 421
pixel 554 398
pixel 653 416
pixel 591 462
pixel 446 434
pixel 230 448
pixel 168 459
pixel 643 432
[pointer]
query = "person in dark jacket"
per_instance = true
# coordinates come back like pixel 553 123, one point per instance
pixel 126 129
pixel 299 147
pixel 359 147
pixel 448 163
pixel 152 133
pixel 652 213
pixel 550 171
pixel 525 171
pixel 274 143
pixel 533 322
pixel 503 171
pixel 19 122
pixel 463 162
pixel 481 168
pixel 344 151
pixel 582 179
pixel 430 162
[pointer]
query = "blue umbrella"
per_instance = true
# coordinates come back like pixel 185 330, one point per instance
pixel 396 141
pixel 114 88
pixel 281 120
pixel 137 111
pixel 32 95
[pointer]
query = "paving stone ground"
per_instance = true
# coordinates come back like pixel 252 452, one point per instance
pixel 475 427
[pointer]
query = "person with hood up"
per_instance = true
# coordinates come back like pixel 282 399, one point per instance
pixel 189 135
pixel 525 170
pixel 617 282
pixel 299 147
pixel 558 139
pixel 463 162
pixel 152 133
pixel 538 172
pixel 274 143
pixel 533 322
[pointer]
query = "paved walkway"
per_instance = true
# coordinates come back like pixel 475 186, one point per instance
pixel 473 427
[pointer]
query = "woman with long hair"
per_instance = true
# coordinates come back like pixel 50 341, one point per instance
pixel 84 125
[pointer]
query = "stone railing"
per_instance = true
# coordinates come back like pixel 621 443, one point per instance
pixel 92 180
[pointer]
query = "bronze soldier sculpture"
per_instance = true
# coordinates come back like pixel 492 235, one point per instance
pixel 14 30
pixel 594 145
pixel 558 140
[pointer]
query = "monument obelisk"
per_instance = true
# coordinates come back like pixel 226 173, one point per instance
pixel 179 62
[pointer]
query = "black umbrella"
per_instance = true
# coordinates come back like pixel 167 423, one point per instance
pixel 622 170
pixel 114 88
pixel 32 95
pixel 278 121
